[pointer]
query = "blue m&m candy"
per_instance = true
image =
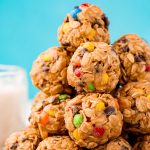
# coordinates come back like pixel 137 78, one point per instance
pixel 74 12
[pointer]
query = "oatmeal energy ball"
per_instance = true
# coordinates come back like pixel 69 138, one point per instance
pixel 49 71
pixel 134 54
pixel 93 119
pixel 143 143
pixel 134 100
pixel 27 139
pixel 94 67
pixel 116 144
pixel 58 143
pixel 48 115
pixel 84 23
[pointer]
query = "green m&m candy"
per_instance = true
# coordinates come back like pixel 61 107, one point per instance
pixel 77 120
pixel 91 87
pixel 63 97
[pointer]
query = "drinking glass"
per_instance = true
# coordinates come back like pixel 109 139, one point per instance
pixel 13 99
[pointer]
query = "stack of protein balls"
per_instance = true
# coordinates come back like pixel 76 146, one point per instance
pixel 93 95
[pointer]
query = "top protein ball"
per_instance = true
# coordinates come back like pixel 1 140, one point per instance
pixel 134 54
pixel 49 71
pixel 84 23
pixel 94 67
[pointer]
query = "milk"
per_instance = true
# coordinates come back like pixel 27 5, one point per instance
pixel 13 98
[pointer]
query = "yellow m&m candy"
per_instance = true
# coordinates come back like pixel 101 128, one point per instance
pixel 91 34
pixel 76 134
pixel 46 57
pixel 89 46
pixel 105 79
pixel 100 106
pixel 51 113
pixel 65 27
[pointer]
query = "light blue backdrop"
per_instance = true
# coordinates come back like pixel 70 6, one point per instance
pixel 27 27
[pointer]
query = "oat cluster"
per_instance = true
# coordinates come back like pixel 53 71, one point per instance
pixel 93 95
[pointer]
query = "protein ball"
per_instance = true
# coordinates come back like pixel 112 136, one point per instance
pixel 94 67
pixel 143 143
pixel 116 144
pixel 134 54
pixel 27 139
pixel 58 143
pixel 84 23
pixel 49 71
pixel 93 119
pixel 134 100
pixel 48 115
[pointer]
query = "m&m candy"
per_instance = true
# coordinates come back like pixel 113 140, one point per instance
pixel 91 87
pixel 148 67
pixel 75 12
pixel 77 120
pixel 77 72
pixel 98 131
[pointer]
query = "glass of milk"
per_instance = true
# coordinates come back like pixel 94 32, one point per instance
pixel 13 98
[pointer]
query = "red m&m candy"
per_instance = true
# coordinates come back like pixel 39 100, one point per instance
pixel 85 5
pixel 98 132
pixel 78 72
pixel 148 67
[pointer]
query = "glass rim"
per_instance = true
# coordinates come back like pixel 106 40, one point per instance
pixel 10 69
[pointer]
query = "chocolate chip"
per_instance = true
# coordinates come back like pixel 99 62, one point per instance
pixel 45 69
pixel 119 86
pixel 82 51
pixel 81 84
pixel 65 44
pixel 43 102
pixel 124 147
pixel 125 48
pixel 109 110
pixel 105 19
pixel 54 100
pixel 24 139
pixel 96 22
pixel 97 70
pixel 139 58
pixel 75 109
pixel 14 146
pixel 123 40
pixel 88 119
pixel 66 19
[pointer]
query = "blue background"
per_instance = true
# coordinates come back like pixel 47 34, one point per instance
pixel 27 27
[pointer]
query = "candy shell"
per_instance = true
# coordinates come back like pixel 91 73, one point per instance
pixel 77 120
pixel 100 106
pixel 91 87
pixel 76 134
pixel 75 12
